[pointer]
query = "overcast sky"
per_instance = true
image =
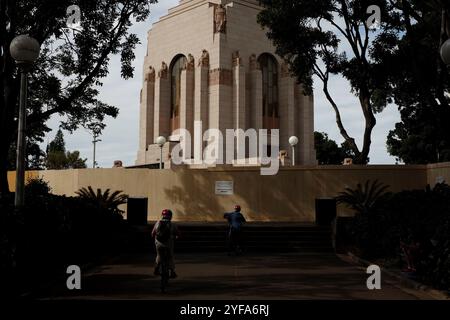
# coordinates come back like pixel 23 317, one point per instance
pixel 120 138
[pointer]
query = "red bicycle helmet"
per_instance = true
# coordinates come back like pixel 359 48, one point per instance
pixel 237 208
pixel 167 214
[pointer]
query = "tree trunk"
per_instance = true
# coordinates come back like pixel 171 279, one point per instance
pixel 371 121
pixel 350 140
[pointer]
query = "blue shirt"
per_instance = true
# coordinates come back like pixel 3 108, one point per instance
pixel 235 219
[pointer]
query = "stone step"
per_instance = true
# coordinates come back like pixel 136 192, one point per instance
pixel 257 237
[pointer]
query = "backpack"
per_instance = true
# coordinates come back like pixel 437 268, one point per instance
pixel 163 232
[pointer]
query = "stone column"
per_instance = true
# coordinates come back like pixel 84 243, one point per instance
pixel 187 98
pixel 239 103
pixel 220 101
pixel 162 103
pixel 146 120
pixel 287 111
pixel 201 94
pixel 256 99
pixel 201 97
pixel 306 132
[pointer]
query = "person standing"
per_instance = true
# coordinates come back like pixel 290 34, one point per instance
pixel 235 220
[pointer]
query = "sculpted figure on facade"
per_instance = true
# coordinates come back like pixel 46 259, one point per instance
pixel 163 71
pixel 253 62
pixel 237 61
pixel 204 59
pixel 190 63
pixel 220 19
pixel 150 75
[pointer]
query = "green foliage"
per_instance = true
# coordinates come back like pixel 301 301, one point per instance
pixel 58 144
pixel 399 63
pixel 325 38
pixel 365 199
pixel 423 136
pixel 74 161
pixel 37 187
pixel 327 150
pixel 368 202
pixel 55 231
pixel 104 200
pixel 416 80
pixel 416 217
pixel 57 157
pixel 66 78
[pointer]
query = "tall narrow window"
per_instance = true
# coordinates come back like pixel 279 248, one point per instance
pixel 177 66
pixel 269 68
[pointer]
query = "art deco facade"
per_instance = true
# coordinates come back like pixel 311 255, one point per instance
pixel 210 61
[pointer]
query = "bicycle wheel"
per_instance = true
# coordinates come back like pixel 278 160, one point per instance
pixel 164 270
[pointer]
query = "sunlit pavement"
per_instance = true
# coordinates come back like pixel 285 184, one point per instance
pixel 218 276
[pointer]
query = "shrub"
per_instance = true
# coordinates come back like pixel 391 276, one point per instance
pixel 50 233
pixel 370 228
pixel 417 219
pixel 37 187
pixel 103 200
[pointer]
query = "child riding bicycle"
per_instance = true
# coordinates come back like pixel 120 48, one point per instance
pixel 165 233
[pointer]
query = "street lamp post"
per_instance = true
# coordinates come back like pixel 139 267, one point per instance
pixel 161 141
pixel 95 143
pixel 24 50
pixel 445 34
pixel 445 52
pixel 293 141
pixel 95 133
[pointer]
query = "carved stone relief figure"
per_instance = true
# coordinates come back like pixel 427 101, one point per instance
pixel 163 71
pixel 237 61
pixel 220 19
pixel 150 75
pixel 190 62
pixel 204 59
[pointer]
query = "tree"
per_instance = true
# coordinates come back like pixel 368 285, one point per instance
pixel 418 82
pixel 58 144
pixel 57 158
pixel 74 161
pixel 398 63
pixel 71 66
pixel 327 150
pixel 308 35
pixel 35 157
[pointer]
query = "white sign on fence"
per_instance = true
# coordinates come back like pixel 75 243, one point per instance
pixel 224 188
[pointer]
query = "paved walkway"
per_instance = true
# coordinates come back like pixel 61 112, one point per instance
pixel 206 276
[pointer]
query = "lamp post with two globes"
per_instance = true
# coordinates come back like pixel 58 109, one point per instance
pixel 25 51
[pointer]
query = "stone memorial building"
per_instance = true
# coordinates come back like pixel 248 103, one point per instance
pixel 210 61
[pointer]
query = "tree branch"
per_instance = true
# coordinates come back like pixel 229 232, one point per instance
pixel 64 103
pixel 342 130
